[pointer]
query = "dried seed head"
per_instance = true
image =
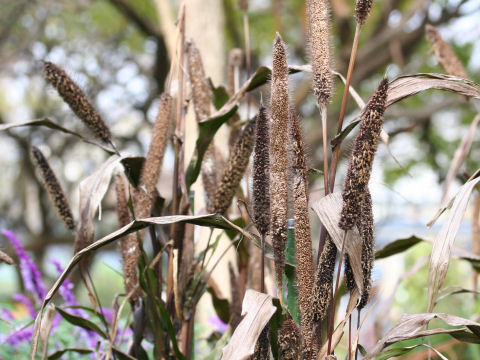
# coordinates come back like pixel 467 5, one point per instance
pixel 150 173
pixel 235 168
pixel 129 243
pixel 444 53
pixel 289 347
pixel 236 304
pixel 364 149
pixel 365 228
pixel 5 258
pixel 262 347
pixel 303 240
pixel 362 10
pixel 76 100
pixel 279 107
pixel 261 174
pixel 201 95
pixel 53 188
pixel 243 5
pixel 319 37
pixel 322 290
pixel 349 277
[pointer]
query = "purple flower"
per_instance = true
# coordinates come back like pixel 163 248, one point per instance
pixel 7 315
pixel 28 304
pixel 32 279
pixel 219 325
pixel 16 337
pixel 66 292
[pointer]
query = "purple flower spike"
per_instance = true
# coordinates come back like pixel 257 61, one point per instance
pixel 32 279
pixel 28 304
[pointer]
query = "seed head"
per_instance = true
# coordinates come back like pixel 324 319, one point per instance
pixel 444 53
pixel 243 5
pixel 76 100
pixel 262 347
pixel 129 243
pixel 365 228
pixel 53 188
pixel 322 290
pixel 261 174
pixel 319 37
pixel 362 10
pixel 235 168
pixel 303 240
pixel 289 347
pixel 279 107
pixel 143 197
pixel 364 149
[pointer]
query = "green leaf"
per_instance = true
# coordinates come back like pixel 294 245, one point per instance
pixel 397 247
pixel 81 322
pixel 207 130
pixel 170 330
pixel 221 305
pixel 219 95
pixel 291 275
pixel 58 354
pixel 275 323
pixel 121 355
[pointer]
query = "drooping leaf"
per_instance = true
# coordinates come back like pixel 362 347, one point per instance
pixel 58 354
pixel 206 132
pixel 397 247
pixel 46 122
pixel 328 209
pixel 81 322
pixel 219 95
pixel 396 352
pixel 411 327
pixel 92 191
pixel 221 305
pixel 257 309
pixel 442 246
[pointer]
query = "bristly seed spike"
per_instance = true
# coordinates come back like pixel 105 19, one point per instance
pixel 279 108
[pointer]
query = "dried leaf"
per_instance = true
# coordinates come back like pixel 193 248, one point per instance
pixel 396 352
pixel 92 191
pixel 408 85
pixel 410 326
pixel 442 246
pixel 52 125
pixel 459 157
pixel 257 310
pixel 328 209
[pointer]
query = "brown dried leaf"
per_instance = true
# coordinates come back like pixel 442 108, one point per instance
pixel 459 157
pixel 328 209
pixel 442 246
pixel 92 191
pixel 5 258
pixel 409 327
pixel 408 85
pixel 257 310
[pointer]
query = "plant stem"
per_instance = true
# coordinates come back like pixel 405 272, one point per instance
pixel 323 114
pixel 262 283
pixel 353 55
pixel 246 29
pixel 335 294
